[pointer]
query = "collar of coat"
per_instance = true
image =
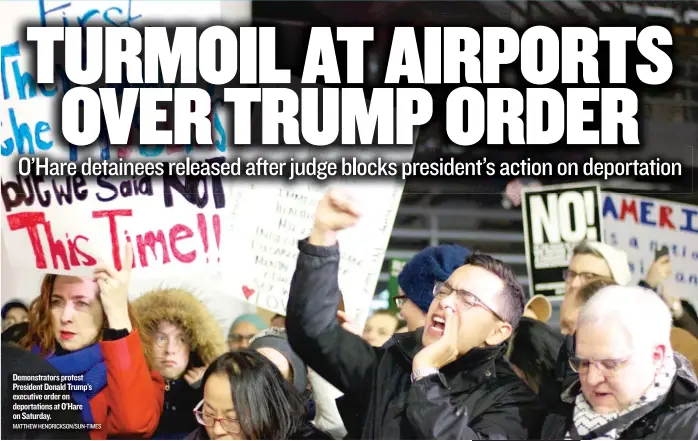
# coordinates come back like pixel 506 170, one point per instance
pixel 477 365
pixel 683 391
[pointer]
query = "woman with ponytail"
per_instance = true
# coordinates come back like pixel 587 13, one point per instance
pixel 84 327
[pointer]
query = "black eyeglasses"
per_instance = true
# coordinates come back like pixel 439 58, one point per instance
pixel 570 275
pixel 228 424
pixel 466 300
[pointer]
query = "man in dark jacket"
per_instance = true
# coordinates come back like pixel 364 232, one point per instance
pixel 63 424
pixel 598 261
pixel 630 383
pixel 448 380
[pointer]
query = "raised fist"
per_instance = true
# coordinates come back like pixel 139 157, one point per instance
pixel 336 211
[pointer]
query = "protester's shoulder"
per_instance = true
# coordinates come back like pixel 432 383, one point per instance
pixel 679 422
pixel 510 384
pixel 16 359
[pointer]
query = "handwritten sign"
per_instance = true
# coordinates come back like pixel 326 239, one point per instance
pixel 639 226
pixel 69 224
pixel 64 225
pixel 268 219
pixel 29 119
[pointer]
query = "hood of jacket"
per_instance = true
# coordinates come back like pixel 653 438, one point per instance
pixel 182 308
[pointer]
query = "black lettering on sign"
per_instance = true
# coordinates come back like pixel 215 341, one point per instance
pixel 195 189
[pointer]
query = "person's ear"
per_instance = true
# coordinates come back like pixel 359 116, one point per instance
pixel 499 334
pixel 658 356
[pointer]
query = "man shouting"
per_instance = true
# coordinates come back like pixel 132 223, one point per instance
pixel 448 380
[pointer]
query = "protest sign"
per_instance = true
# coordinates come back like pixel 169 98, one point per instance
pixel 64 224
pixel 556 218
pixel 269 219
pixel 29 120
pixel 66 207
pixel 396 266
pixel 640 226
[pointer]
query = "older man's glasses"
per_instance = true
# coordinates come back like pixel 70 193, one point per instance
pixel 230 425
pixel 466 300
pixel 608 366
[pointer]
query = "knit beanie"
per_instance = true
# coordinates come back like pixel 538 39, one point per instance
pixel 429 266
pixel 276 338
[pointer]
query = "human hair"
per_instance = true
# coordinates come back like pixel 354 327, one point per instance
pixel 276 316
pixel 40 331
pixel 267 406
pixel 12 304
pixel 533 348
pixel 588 290
pixel 643 315
pixel 584 248
pixel 513 298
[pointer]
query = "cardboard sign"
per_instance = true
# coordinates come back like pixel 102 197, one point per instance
pixel 556 218
pixel 640 226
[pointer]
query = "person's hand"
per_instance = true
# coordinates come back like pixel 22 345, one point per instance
pixel 347 324
pixel 336 211
pixel 194 375
pixel 113 287
pixel 658 272
pixel 674 304
pixel 444 350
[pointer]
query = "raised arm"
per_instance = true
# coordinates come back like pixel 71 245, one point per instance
pixel 136 395
pixel 342 358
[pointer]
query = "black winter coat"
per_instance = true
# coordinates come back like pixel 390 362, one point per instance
pixel 177 419
pixel 676 417
pixel 476 397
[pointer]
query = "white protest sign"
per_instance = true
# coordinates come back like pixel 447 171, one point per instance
pixel 641 225
pixel 66 207
pixel 269 218
pixel 29 119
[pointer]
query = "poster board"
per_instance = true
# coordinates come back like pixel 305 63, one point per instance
pixel 27 121
pixel 185 230
pixel 268 219
pixel 555 219
pixel 641 225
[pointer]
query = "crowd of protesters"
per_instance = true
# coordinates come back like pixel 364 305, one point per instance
pixel 468 356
